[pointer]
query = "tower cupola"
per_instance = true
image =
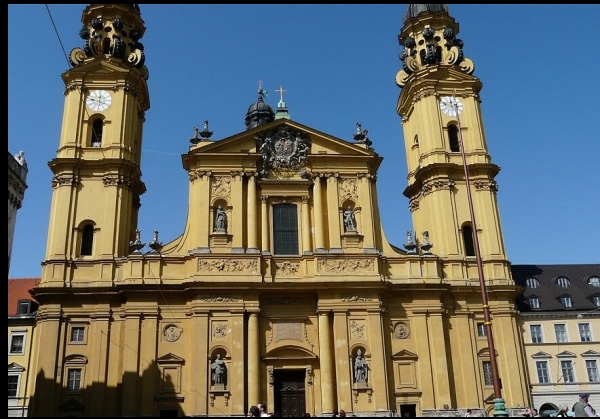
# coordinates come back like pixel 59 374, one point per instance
pixel 259 113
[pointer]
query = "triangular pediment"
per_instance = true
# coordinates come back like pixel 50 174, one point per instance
pixel 170 359
pixel 590 353
pixel 404 354
pixel 541 354
pixel 290 352
pixel 566 354
pixel 14 367
pixel 71 404
pixel 245 142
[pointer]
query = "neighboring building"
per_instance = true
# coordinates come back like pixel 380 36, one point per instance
pixel 282 287
pixel 560 315
pixel 21 326
pixel 17 177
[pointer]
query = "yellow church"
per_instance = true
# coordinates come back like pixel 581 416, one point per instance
pixel 282 289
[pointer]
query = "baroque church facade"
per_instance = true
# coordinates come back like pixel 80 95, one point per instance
pixel 282 288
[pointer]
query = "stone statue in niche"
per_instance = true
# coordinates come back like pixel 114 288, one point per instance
pixel 219 371
pixel 349 220
pixel 220 219
pixel 361 368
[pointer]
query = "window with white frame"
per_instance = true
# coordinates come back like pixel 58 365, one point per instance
pixel 596 300
pixel 560 330
pixel 481 330
pixel 536 333
pixel 77 334
pixel 584 332
pixel 534 302
pixel 17 343
pixel 566 367
pixel 488 378
pixel 562 281
pixel 74 379
pixel 566 302
pixel 594 281
pixel 532 282
pixel 542 371
pixel 592 370
pixel 13 385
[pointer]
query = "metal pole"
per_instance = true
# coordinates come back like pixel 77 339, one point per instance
pixel 499 406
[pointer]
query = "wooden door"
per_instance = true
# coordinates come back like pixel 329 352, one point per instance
pixel 290 397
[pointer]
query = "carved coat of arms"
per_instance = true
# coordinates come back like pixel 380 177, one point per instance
pixel 283 150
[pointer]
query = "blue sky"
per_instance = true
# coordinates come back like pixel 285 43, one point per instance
pixel 540 104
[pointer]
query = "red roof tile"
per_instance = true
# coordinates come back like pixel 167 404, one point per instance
pixel 18 289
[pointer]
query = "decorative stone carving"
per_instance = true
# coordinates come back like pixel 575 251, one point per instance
pixel 137 245
pixel 219 371
pixel 227 265
pixel 221 187
pixel 288 268
pixel 401 330
pixel 220 223
pixel 219 330
pixel 155 245
pixel 491 185
pixel 356 298
pixel 171 332
pixel 357 330
pixel 198 174
pixel 345 265
pixel 410 245
pixel 288 330
pixel 219 299
pixel 283 150
pixel 347 189
pixel 349 220
pixel 361 368
pixel 426 245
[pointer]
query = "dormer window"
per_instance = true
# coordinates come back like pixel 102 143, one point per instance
pixel 594 281
pixel 566 302
pixel 562 281
pixel 532 283
pixel 534 302
pixel 25 307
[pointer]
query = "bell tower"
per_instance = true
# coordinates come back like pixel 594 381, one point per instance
pixel 96 173
pixel 440 106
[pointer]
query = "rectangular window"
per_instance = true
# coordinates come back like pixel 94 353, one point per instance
pixel 560 330
pixel 488 378
pixel 534 302
pixel 77 334
pixel 285 229
pixel 566 302
pixel 584 332
pixel 17 343
pixel 536 333
pixel 596 300
pixel 567 371
pixel 542 371
pixel 24 307
pixel 481 330
pixel 74 380
pixel 13 385
pixel 592 370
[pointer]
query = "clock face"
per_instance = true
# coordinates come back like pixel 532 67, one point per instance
pixel 98 100
pixel 451 106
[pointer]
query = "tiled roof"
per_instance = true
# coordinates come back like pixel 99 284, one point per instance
pixel 549 293
pixel 18 289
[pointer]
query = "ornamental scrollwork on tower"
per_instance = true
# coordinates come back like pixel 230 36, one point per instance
pixel 64 181
pixel 491 185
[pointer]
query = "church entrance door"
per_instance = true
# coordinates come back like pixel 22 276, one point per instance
pixel 290 397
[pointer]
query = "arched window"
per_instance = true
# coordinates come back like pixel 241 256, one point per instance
pixel 467 232
pixel 97 128
pixel 87 240
pixel 285 229
pixel 532 282
pixel 562 281
pixel 453 138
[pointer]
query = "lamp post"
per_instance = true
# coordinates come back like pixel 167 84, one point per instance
pixel 452 106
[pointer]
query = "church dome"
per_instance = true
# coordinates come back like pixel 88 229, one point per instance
pixel 415 10
pixel 259 113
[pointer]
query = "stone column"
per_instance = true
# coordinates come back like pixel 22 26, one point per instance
pixel 325 355
pixel 251 210
pixel 237 218
pixel 378 361
pixel 333 214
pixel 366 213
pixel 201 227
pixel 253 359
pixel 130 402
pixel 147 355
pixel 200 377
pixel 306 241
pixel 264 211
pixel 318 210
